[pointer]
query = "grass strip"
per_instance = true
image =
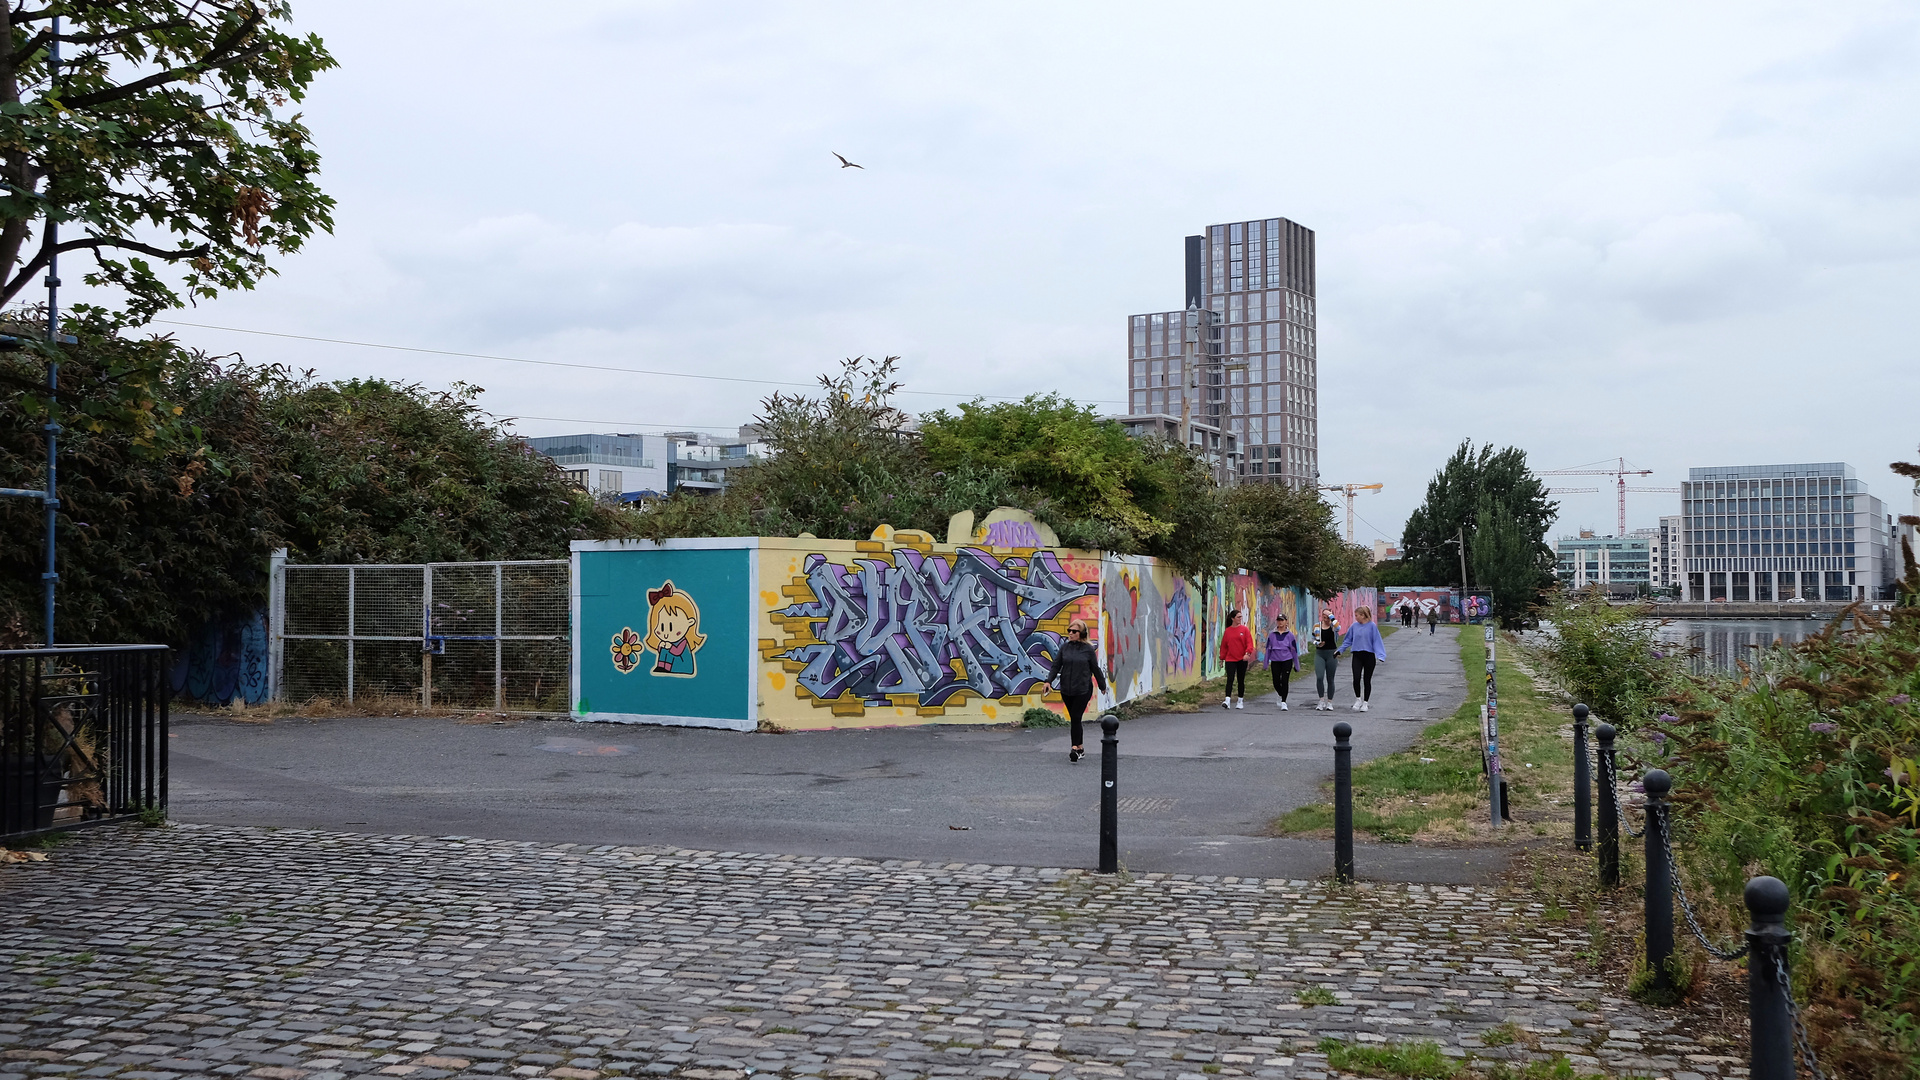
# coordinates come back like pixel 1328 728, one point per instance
pixel 1436 791
pixel 1414 1060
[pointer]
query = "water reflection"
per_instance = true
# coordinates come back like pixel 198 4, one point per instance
pixel 1720 643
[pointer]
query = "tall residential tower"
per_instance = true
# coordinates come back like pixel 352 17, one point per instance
pixel 1251 368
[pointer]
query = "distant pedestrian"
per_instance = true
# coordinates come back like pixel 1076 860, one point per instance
pixel 1363 640
pixel 1283 658
pixel 1076 668
pixel 1236 648
pixel 1326 659
pixel 1433 619
pixel 1406 614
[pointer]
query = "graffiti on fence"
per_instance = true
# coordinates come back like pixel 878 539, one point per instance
pixel 925 627
pixel 1131 634
pixel 224 662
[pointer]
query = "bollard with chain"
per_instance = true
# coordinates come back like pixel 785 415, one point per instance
pixel 1582 783
pixel 1109 796
pixel 1659 881
pixel 1769 994
pixel 1342 803
pixel 1609 812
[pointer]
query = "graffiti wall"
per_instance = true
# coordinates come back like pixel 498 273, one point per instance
pixel 893 630
pixel 1443 602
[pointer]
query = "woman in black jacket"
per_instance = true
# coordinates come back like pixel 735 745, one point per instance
pixel 1075 671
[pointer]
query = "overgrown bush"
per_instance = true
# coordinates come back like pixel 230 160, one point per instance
pixel 1612 659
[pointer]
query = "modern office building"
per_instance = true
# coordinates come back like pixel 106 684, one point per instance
pixel 1666 553
pixel 1783 532
pixel 1623 565
pixel 701 461
pixel 610 465
pixel 1240 354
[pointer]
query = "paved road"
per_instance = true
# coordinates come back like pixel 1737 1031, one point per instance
pixel 211 951
pixel 1197 790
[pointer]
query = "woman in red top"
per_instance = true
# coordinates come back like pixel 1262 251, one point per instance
pixel 1236 646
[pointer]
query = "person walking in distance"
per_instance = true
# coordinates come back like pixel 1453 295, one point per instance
pixel 1363 640
pixel 1236 648
pixel 1076 668
pixel 1326 659
pixel 1283 658
pixel 1433 619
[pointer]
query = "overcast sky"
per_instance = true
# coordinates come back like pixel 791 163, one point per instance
pixel 1686 234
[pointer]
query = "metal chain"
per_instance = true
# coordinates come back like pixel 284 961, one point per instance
pixel 1800 1037
pixel 1686 906
pixel 1605 768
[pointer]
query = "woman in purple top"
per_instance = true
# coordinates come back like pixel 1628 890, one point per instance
pixel 1283 658
pixel 1363 640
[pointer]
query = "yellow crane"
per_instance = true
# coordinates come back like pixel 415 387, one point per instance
pixel 1350 490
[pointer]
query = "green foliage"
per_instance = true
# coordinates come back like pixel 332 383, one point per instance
pixel 167 139
pixel 1421 1060
pixel 1612 659
pixel 165 528
pixel 1399 572
pixel 847 461
pixel 1037 717
pixel 1494 500
pixel 1315 995
pixel 1801 765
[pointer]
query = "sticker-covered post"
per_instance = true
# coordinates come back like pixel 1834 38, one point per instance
pixel 1109 794
pixel 1490 724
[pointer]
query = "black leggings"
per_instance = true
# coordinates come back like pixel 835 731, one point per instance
pixel 1363 675
pixel 1076 708
pixel 1237 669
pixel 1282 672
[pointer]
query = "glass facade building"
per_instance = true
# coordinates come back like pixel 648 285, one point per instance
pixel 1622 564
pixel 1773 533
pixel 1252 284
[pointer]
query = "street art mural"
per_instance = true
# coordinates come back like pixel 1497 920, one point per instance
pixel 921 628
pixel 1443 602
pixel 800 633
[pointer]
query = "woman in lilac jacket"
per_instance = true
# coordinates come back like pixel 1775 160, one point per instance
pixel 1363 640
pixel 1283 658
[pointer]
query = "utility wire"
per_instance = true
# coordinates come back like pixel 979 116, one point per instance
pixel 567 364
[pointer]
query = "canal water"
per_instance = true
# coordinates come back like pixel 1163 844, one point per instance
pixel 1719 643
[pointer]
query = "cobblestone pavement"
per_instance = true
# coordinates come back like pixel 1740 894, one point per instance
pixel 306 955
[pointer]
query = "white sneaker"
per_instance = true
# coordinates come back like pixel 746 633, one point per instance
pixel 1366 706
pixel 1356 706
pixel 1283 706
pixel 1226 703
pixel 1240 703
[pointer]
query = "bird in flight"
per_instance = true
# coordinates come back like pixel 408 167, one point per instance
pixel 844 163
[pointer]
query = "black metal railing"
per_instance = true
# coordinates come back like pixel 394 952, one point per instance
pixel 83 735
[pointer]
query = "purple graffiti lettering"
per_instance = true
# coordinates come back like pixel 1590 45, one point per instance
pixel 929 628
pixel 1012 534
pixel 1182 638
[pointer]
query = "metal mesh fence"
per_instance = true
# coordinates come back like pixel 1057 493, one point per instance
pixel 456 635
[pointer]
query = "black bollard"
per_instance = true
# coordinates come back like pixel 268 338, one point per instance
pixel 1582 783
pixel 1659 881
pixel 1109 798
pixel 1609 812
pixel 1768 993
pixel 1342 803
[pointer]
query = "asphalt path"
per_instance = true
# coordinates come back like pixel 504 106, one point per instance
pixel 1197 790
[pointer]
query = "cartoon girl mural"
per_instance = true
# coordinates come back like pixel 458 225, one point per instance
pixel 673 633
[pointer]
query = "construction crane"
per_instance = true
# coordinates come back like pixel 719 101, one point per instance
pixel 1619 472
pixel 1350 490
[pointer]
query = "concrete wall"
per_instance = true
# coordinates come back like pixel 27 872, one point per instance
pixel 894 630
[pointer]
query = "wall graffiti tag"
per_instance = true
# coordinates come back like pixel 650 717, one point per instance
pixel 925 627
pixel 1182 633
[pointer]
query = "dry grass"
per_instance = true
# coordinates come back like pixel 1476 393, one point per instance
pixel 377 705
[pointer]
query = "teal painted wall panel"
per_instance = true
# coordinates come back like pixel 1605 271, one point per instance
pixel 648 651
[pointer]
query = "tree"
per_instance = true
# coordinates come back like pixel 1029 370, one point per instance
pixel 1288 534
pixel 163 138
pixel 1509 560
pixel 1454 502
pixel 161 537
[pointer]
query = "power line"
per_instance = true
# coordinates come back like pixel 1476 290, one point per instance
pixel 626 424
pixel 566 364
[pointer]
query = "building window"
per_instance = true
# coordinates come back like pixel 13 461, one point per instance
pixel 610 480
pixel 578 478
